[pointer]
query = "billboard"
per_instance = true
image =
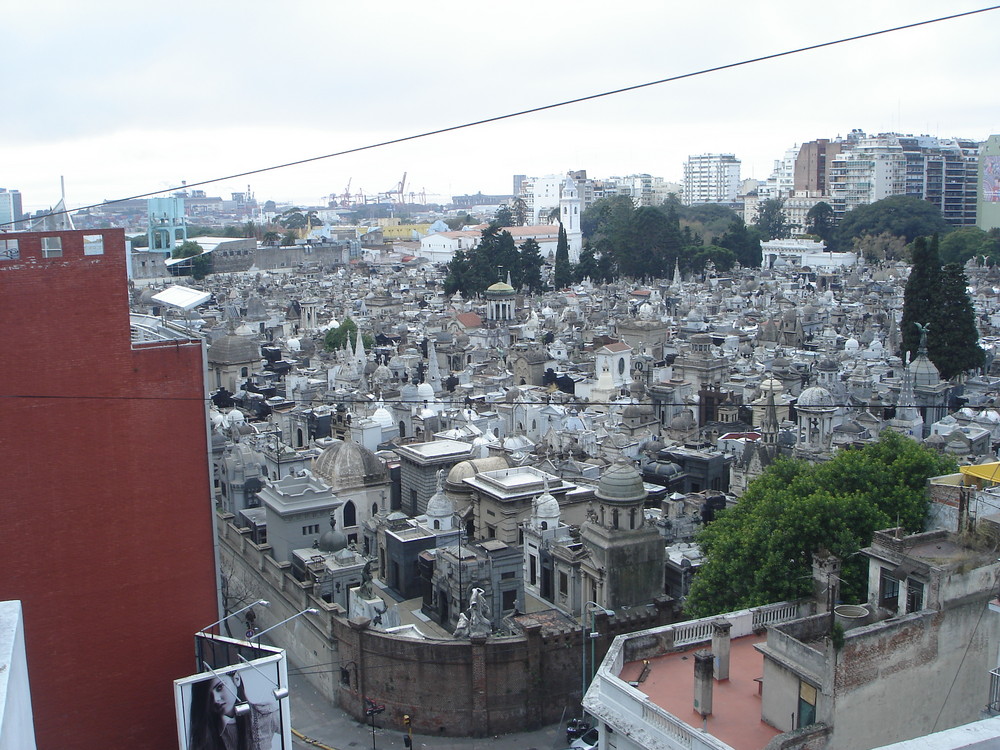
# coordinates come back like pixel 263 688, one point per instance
pixel 239 699
pixel 991 178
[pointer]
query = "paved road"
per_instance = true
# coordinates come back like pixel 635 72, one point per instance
pixel 315 718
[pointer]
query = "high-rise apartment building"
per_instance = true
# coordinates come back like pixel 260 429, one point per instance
pixel 811 164
pixel 711 178
pixel 107 533
pixel 942 171
pixel 10 210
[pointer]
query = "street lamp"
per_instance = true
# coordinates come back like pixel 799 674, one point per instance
pixel 279 692
pixel 593 607
pixel 261 602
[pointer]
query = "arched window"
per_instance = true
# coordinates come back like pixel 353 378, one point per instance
pixel 244 372
pixel 437 524
pixel 374 509
pixel 298 437
pixel 350 514
pixel 402 429
pixel 545 525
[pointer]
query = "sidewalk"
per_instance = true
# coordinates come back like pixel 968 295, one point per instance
pixel 314 717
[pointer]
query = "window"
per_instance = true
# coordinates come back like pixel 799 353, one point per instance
pixel 532 570
pixel 807 704
pixel 491 532
pixel 350 514
pixel 93 244
pixel 51 247
pixel 310 529
pixel 508 574
pixel 508 600
pixel 563 583
pixel 9 250
pixel 914 596
pixel 888 596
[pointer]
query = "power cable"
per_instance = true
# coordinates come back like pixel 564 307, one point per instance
pixel 523 112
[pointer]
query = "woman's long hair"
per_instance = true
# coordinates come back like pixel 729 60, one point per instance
pixel 205 723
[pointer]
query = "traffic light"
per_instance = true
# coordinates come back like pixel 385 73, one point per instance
pixel 406 720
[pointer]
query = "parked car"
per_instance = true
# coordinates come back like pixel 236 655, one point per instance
pixel 575 728
pixel 588 741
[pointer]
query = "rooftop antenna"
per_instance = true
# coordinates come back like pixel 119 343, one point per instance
pixel 62 187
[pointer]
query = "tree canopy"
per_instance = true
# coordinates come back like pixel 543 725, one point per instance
pixel 902 215
pixel 336 338
pixel 760 551
pixel 491 260
pixel 821 221
pixel 938 296
pixel 649 241
pixel 563 273
pixel 771 220
pixel 200 265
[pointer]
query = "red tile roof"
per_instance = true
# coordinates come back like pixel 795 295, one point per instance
pixel 735 717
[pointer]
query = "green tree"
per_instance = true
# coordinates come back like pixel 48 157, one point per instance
pixel 588 267
pixel 462 220
pixel 771 219
pixel 563 274
pixel 879 247
pixel 530 265
pixel 760 551
pixel 902 215
pixel 920 293
pixel 953 340
pixel 336 338
pixel 821 222
pixel 720 257
pixel 743 242
pixel 519 209
pixel 962 243
pixel 270 239
pixel 504 217
pixel 458 273
pixel 201 262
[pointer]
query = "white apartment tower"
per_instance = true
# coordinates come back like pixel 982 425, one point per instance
pixel 10 209
pixel 711 178
pixel 940 170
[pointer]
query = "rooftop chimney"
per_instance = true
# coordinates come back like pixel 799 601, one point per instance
pixel 703 668
pixel 720 647
pixel 825 580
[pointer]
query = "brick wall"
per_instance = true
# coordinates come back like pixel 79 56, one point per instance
pixel 107 535
pixel 451 688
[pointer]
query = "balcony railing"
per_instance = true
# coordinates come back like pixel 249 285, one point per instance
pixel 994 702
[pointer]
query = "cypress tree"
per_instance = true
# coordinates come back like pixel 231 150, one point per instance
pixel 563 274
pixel 953 341
pixel 921 292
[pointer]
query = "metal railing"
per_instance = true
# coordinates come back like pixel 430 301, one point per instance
pixel 994 701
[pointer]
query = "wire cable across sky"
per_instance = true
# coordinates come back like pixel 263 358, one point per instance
pixel 524 112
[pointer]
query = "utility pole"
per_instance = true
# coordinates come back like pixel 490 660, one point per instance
pixel 371 709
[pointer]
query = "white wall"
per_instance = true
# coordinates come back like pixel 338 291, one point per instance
pixel 17 731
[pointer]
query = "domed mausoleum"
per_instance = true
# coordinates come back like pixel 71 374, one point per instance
pixel 625 566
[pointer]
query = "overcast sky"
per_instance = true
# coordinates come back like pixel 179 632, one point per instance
pixel 124 98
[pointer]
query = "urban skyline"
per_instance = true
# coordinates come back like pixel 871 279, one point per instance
pixel 116 130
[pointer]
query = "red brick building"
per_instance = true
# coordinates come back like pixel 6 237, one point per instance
pixel 106 527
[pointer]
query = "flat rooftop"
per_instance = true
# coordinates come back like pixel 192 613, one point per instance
pixel 735 717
